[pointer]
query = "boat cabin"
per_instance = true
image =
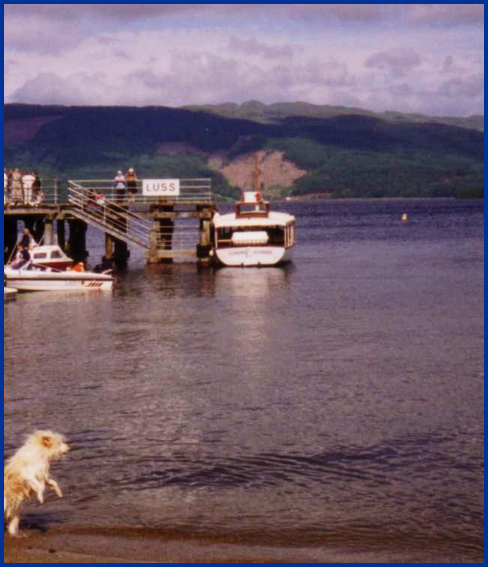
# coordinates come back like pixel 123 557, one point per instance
pixel 50 257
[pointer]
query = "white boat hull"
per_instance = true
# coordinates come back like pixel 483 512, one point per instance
pixel 55 281
pixel 245 256
pixel 9 293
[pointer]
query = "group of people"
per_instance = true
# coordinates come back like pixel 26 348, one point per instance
pixel 22 188
pixel 125 186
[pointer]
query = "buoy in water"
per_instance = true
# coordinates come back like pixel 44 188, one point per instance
pixel 404 217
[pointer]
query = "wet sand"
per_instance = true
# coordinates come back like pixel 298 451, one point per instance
pixel 129 545
pixel 141 546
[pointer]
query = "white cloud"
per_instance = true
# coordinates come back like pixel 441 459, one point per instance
pixel 40 35
pixel 309 52
pixel 454 14
pixel 397 61
pixel 252 46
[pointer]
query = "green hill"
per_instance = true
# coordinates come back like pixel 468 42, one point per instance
pixel 344 152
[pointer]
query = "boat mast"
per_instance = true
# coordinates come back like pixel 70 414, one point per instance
pixel 256 174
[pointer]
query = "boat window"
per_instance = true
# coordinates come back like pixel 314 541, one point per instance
pixel 40 256
pixel 276 235
pixel 56 254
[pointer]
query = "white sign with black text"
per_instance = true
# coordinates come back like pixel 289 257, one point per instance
pixel 161 187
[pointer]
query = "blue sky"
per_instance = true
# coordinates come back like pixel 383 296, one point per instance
pixel 425 58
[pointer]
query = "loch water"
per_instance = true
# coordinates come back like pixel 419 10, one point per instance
pixel 335 404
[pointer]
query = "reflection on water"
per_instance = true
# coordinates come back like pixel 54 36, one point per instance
pixel 254 283
pixel 336 402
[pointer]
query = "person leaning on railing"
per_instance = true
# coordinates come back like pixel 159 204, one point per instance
pixel 131 180
pixel 119 186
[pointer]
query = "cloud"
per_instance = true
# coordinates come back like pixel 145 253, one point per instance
pixel 471 87
pixel 252 46
pixel 323 54
pixel 118 12
pixel 40 35
pixel 49 88
pixel 398 61
pixel 452 14
pixel 448 63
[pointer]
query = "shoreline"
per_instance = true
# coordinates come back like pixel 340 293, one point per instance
pixel 140 545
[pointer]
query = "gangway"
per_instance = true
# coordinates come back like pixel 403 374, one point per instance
pixel 109 216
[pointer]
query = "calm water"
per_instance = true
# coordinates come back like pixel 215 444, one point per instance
pixel 335 404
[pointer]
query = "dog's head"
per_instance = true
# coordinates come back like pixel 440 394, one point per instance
pixel 52 444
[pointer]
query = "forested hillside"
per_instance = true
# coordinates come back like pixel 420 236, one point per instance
pixel 339 155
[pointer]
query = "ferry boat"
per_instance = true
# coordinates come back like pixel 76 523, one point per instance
pixel 253 235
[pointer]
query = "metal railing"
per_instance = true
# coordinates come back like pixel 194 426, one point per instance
pixel 110 216
pixel 191 191
pixel 16 196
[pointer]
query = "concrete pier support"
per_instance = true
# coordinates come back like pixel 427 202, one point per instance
pixel 116 251
pixel 121 252
pixel 152 257
pixel 77 240
pixel 48 232
pixel 204 246
pixel 109 248
pixel 61 234
pixel 161 235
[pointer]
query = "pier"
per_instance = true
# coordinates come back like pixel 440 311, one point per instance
pixel 166 227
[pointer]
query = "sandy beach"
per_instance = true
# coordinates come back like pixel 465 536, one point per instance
pixel 139 546
pixel 143 546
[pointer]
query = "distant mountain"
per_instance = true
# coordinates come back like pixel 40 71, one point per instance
pixel 305 149
pixel 259 112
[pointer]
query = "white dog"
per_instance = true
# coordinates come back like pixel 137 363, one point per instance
pixel 27 473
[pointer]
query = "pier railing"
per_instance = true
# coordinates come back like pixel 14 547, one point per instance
pixel 190 191
pixel 50 194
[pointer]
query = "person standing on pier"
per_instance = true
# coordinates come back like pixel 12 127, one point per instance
pixel 36 187
pixel 16 186
pixel 119 184
pixel 27 186
pixel 131 180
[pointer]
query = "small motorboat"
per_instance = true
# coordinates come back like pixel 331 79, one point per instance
pixel 9 293
pixel 32 277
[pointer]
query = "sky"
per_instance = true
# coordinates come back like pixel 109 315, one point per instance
pixel 422 58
